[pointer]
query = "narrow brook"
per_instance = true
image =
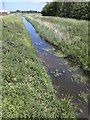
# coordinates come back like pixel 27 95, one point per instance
pixel 67 78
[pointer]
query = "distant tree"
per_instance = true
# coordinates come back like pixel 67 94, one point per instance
pixel 78 10
pixel 18 11
pixel 50 9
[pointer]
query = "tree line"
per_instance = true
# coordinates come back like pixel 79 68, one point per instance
pixel 77 10
pixel 27 11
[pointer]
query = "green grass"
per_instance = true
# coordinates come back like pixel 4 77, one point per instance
pixel 84 96
pixel 27 91
pixel 74 36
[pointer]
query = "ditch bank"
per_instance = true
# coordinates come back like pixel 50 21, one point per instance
pixel 68 79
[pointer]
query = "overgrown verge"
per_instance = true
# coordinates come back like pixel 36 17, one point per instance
pixel 70 36
pixel 27 91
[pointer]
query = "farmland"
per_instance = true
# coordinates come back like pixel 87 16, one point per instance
pixel 27 91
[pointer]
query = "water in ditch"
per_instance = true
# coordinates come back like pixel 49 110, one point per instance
pixel 67 77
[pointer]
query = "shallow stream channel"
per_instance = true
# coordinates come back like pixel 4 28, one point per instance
pixel 67 77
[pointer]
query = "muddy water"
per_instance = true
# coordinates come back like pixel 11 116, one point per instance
pixel 67 78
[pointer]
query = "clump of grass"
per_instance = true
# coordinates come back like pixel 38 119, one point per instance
pixel 59 53
pixel 84 96
pixel 79 79
pixel 27 91
pixel 73 42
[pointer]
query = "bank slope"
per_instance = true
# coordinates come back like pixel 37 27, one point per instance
pixel 27 91
pixel 69 35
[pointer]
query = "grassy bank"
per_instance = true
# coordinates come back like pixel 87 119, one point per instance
pixel 69 35
pixel 27 90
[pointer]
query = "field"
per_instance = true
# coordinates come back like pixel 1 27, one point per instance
pixel 68 35
pixel 27 91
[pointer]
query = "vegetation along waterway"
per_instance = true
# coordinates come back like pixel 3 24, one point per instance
pixel 26 88
pixel 67 77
